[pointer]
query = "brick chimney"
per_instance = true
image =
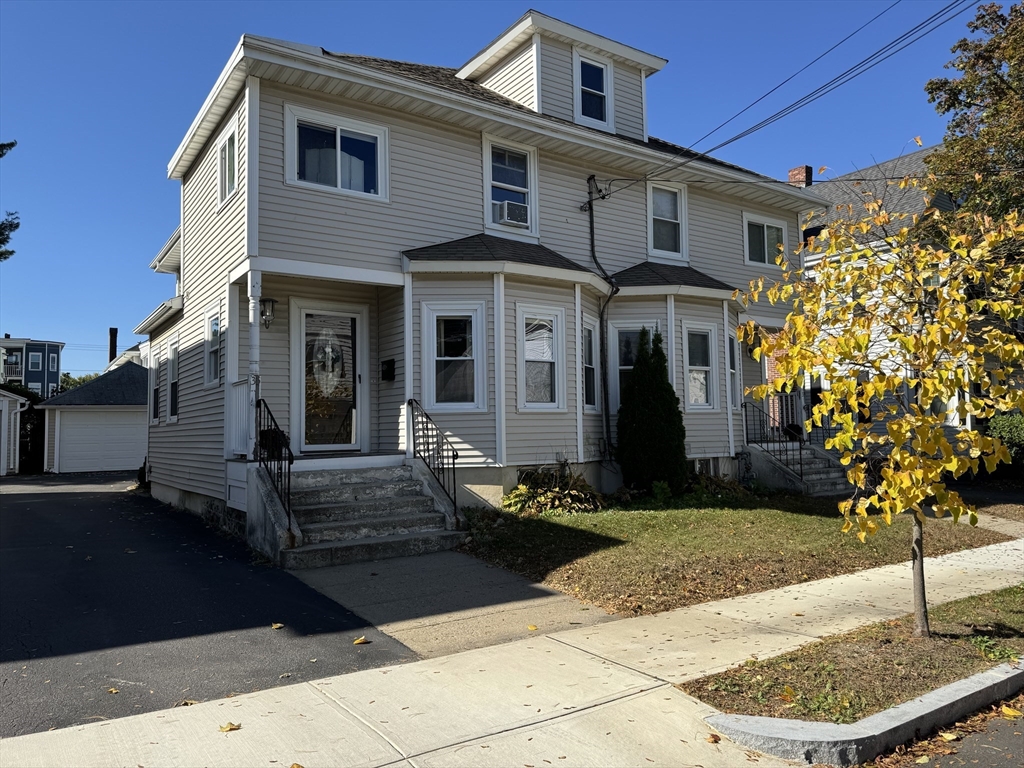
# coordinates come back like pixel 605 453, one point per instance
pixel 113 345
pixel 801 176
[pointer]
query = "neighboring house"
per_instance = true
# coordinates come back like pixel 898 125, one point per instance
pixel 33 364
pixel 11 407
pixel 358 232
pixel 131 355
pixel 100 426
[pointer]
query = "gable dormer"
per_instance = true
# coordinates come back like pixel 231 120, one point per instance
pixel 560 70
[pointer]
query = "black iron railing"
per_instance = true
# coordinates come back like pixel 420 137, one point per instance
pixel 436 451
pixel 275 455
pixel 819 435
pixel 783 441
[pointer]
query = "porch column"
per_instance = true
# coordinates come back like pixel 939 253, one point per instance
pixel 255 286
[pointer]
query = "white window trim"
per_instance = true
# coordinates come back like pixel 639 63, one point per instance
pixel 757 218
pixel 713 385
pixel 53 362
pixel 154 384
pixel 533 233
pixel 292 115
pixel 52 390
pixel 614 395
pixel 429 313
pixel 735 393
pixel 226 134
pixel 173 355
pixel 209 382
pixel 684 234
pixel 35 386
pixel 589 321
pixel 609 88
pixel 38 358
pixel 558 330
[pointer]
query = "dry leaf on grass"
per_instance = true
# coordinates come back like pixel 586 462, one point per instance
pixel 714 738
pixel 275 625
pixel 230 727
pixel 361 641
pixel 112 690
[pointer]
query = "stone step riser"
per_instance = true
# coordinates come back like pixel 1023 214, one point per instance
pixel 324 478
pixel 319 556
pixel 365 529
pixel 350 492
pixel 369 510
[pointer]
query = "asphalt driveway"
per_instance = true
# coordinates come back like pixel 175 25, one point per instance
pixel 105 590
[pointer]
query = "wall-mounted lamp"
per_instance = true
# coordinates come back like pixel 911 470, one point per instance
pixel 267 311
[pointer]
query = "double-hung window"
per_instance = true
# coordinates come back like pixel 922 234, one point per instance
pixel 699 353
pixel 765 238
pixel 667 221
pixel 454 363
pixel 227 165
pixel 53 362
pixel 333 152
pixel 510 176
pixel 172 380
pixel 35 361
pixel 541 359
pixel 211 344
pixel 588 357
pixel 593 95
pixel 735 390
pixel 626 345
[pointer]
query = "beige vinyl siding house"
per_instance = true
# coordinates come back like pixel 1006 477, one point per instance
pixel 404 232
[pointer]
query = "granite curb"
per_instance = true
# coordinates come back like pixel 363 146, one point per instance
pixel 864 740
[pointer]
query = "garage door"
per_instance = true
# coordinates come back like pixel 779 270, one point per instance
pixel 102 441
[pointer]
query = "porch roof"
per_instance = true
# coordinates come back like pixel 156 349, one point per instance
pixel 485 247
pixel 649 273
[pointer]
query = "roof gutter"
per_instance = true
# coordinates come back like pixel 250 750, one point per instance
pixel 159 315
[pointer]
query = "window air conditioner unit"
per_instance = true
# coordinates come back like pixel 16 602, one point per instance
pixel 514 214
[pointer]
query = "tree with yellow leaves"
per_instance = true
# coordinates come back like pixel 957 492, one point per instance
pixel 896 325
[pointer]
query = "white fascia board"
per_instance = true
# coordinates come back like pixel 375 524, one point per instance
pixel 159 314
pixel 67 407
pixel 532 22
pixel 314 269
pixel 270 52
pixel 508 268
pixel 162 262
pixel 676 290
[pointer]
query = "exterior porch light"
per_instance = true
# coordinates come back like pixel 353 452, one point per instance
pixel 267 311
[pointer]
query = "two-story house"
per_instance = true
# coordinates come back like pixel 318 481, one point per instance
pixel 32 363
pixel 371 247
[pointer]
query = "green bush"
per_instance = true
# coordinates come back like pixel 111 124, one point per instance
pixel 560 492
pixel 651 436
pixel 1010 430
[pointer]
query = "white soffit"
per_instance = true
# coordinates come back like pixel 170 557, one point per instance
pixel 533 22
pixel 168 260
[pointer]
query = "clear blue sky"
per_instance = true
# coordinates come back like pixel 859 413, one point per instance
pixel 99 94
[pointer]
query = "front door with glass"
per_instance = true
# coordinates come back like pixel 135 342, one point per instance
pixel 330 403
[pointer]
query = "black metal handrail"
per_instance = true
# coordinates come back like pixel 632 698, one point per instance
pixel 780 440
pixel 430 444
pixel 820 434
pixel 275 455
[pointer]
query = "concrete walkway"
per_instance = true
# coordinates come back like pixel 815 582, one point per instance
pixel 598 695
pixel 448 602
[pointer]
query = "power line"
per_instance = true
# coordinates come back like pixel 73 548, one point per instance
pixel 908 38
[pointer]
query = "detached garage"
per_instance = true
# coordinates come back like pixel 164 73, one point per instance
pixel 100 426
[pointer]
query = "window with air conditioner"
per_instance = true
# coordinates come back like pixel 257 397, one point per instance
pixel 510 177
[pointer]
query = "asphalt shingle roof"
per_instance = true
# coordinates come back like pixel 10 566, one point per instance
pixel 485 247
pixel 125 385
pixel 652 273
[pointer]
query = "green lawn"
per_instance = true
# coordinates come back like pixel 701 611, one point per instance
pixel 641 561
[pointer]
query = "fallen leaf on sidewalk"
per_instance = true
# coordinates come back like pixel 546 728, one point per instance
pixel 230 727
pixel 283 676
pixel 112 690
pixel 798 614
pixel 129 551
pixel 949 736
pixel 361 641
pixel 312 661
pixel 295 765
pixel 275 625
pixel 532 627
pixel 186 703
pixel 922 760
pixel 1010 713
pixel 714 738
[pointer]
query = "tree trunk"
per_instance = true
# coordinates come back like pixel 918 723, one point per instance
pixel 921 626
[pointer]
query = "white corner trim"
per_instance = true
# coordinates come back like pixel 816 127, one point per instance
pixel 643 100
pixel 407 353
pixel 537 105
pixel 578 321
pixel 729 405
pixel 56 440
pixel 500 385
pixel 252 165
pixel 670 342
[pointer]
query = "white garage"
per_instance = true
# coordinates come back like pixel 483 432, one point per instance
pixel 100 426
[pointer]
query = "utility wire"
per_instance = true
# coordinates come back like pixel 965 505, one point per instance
pixel 908 38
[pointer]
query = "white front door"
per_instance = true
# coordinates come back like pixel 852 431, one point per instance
pixel 330 408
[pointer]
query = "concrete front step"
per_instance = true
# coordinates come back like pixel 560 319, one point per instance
pixel 361 510
pixel 323 478
pixel 832 488
pixel 360 550
pixel 341 493
pixel 820 475
pixel 316 533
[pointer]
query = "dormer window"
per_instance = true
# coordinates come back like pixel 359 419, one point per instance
pixel 592 97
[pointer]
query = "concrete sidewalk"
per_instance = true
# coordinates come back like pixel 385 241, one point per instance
pixel 598 695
